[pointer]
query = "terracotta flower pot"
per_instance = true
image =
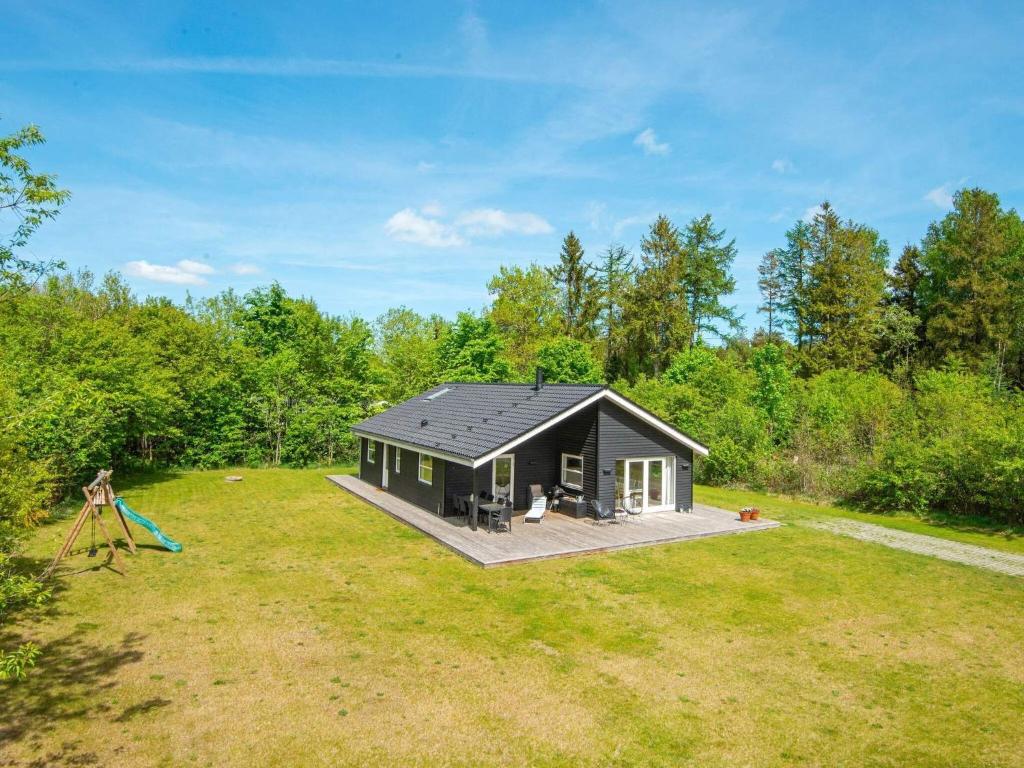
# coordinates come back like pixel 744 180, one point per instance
pixel 755 514
pixel 745 516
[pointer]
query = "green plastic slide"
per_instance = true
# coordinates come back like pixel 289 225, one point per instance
pixel 149 525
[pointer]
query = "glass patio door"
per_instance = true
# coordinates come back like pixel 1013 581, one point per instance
pixel 635 495
pixel 504 476
pixel 655 483
pixel 645 484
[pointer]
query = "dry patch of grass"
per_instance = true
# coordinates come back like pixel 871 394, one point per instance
pixel 302 627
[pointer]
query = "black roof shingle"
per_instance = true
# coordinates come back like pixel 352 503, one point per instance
pixel 470 420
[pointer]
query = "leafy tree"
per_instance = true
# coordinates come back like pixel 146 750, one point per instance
pixel 27 199
pixel 568 361
pixel 706 278
pixel 471 350
pixel 897 333
pixel 525 311
pixel 406 345
pixel 575 280
pixel 773 389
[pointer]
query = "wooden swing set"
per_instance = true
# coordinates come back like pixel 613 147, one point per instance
pixel 98 494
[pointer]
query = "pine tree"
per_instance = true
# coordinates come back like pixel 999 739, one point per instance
pixel 770 283
pixel 706 278
pixel 794 268
pixel 575 279
pixel 657 318
pixel 615 274
pixel 971 289
pixel 905 280
pixel 844 291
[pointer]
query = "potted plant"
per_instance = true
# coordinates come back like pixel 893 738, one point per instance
pixel 755 513
pixel 745 515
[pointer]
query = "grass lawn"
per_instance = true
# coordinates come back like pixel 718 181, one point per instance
pixel 1005 538
pixel 301 627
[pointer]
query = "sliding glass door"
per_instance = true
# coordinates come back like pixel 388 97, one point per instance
pixel 647 484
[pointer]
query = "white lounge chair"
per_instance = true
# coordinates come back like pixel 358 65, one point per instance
pixel 537 510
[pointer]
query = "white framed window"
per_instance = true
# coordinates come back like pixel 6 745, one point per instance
pixel 398 460
pixel 371 451
pixel 572 470
pixel 426 469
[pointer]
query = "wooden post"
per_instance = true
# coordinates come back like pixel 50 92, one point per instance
pixel 98 487
pixel 473 511
pixel 109 491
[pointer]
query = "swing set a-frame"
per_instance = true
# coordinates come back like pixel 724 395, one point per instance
pixel 98 494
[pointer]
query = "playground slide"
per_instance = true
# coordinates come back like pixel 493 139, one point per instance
pixel 149 525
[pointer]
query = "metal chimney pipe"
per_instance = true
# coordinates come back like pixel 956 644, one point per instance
pixel 540 379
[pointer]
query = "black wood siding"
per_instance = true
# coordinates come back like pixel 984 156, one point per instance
pixel 538 460
pixel 406 483
pixel 623 436
pixel 367 471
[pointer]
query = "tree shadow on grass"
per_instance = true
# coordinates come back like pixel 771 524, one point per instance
pixel 72 683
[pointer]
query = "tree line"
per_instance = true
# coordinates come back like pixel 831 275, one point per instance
pixel 891 384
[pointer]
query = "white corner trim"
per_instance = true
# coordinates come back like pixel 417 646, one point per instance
pixel 655 422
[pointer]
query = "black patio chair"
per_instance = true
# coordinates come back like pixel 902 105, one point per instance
pixel 602 514
pixel 502 518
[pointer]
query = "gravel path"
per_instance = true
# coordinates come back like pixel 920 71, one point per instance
pixel 968 554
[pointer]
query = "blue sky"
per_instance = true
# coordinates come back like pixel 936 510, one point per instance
pixel 370 157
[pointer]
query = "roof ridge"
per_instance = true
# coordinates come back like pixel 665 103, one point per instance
pixel 516 384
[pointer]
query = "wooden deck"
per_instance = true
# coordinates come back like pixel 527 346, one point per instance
pixel 557 536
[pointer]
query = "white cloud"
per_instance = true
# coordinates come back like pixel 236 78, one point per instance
pixel 648 141
pixel 408 226
pixel 491 222
pixel 629 222
pixel 195 267
pixel 425 226
pixel 185 272
pixel 424 167
pixel 941 197
pixel 782 166
pixel 242 268
pixel 597 215
pixel 810 213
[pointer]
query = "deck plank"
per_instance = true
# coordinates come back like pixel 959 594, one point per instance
pixel 557 535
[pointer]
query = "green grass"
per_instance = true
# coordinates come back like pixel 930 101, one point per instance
pixel 786 509
pixel 301 627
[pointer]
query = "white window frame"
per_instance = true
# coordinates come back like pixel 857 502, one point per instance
pixel 371 451
pixel 398 460
pixel 566 456
pixel 420 468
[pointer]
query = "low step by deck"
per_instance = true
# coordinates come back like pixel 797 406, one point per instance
pixel 558 535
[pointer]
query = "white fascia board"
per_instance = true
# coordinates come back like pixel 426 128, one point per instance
pixel 539 428
pixel 417 448
pixel 655 422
